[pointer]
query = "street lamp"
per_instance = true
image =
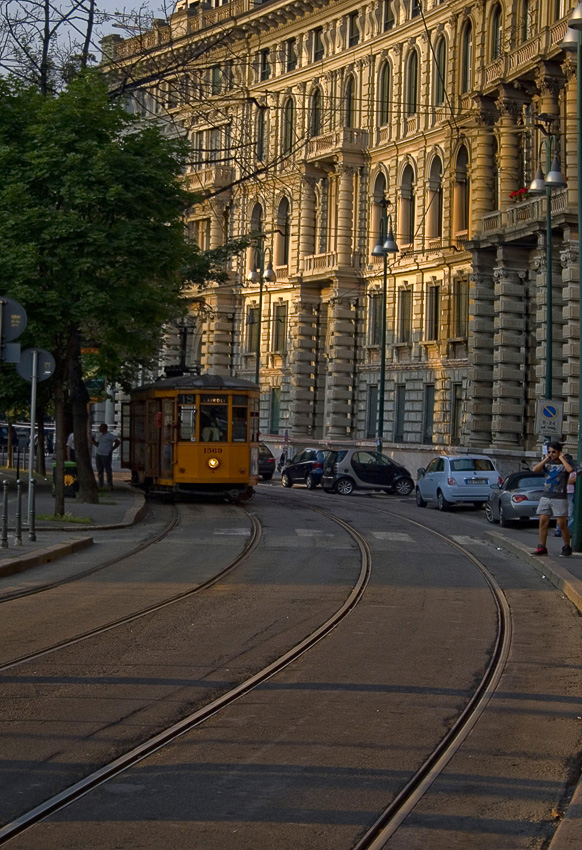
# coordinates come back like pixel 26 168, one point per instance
pixel 384 246
pixel 573 41
pixel 554 179
pixel 261 276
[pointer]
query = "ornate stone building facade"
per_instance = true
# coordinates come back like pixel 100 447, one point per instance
pixel 306 117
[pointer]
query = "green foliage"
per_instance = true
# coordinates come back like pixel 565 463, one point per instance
pixel 91 233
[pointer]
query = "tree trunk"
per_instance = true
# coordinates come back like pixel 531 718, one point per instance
pixel 80 408
pixel 60 440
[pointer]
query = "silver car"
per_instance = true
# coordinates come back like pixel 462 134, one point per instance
pixel 516 500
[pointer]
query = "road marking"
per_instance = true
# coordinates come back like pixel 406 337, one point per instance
pixel 466 540
pixel 235 532
pixel 311 532
pixel 392 535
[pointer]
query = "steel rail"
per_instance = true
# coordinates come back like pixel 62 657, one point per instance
pixel 395 813
pixel 253 542
pixel 145 544
pixel 133 757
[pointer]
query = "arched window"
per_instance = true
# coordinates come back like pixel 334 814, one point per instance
pixel 435 200
pixel 349 103
pixel 440 71
pixel 315 113
pixel 407 212
pixel 467 59
pixel 282 234
pixel 559 9
pixel 377 209
pixel 256 227
pixel 261 134
pixel 461 193
pixel 412 84
pixel 524 21
pixel 384 116
pixel 496 32
pixel 288 127
pixel 388 15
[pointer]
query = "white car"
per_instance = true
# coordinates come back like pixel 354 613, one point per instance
pixel 461 479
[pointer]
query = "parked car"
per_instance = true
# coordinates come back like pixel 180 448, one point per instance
pixel 516 500
pixel 305 468
pixel 267 462
pixel 358 469
pixel 449 481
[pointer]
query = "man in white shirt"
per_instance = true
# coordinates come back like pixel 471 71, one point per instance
pixel 106 444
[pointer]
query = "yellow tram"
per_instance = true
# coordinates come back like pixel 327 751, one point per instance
pixel 193 434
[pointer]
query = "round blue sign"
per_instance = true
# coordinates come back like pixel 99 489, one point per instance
pixel 549 411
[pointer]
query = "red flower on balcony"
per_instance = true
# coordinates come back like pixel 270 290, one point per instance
pixel 519 194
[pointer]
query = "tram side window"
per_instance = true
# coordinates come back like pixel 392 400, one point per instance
pixel 213 423
pixel 254 420
pixel 187 423
pixel 239 419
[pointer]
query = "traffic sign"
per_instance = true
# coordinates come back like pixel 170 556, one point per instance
pixel 549 417
pixel 45 364
pixel 13 318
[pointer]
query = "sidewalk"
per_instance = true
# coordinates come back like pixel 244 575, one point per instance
pixel 54 539
pixel 566 575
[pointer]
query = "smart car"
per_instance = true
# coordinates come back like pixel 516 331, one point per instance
pixel 463 479
pixel 360 469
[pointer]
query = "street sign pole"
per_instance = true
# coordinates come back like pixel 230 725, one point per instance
pixel 31 451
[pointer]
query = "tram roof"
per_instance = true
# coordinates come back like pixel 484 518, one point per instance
pixel 201 382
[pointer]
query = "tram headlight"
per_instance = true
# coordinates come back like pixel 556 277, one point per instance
pixel 213 463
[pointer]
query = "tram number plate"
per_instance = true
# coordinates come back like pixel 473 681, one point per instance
pixel 212 451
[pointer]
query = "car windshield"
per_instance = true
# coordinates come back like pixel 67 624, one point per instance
pixel 372 459
pixel 472 464
pixel 527 483
pixel 264 451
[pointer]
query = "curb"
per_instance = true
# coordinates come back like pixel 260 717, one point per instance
pixel 567 835
pixel 11 566
pixel 133 515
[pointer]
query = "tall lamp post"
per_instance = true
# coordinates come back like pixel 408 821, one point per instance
pixel 573 41
pixel 261 275
pixel 554 179
pixel 384 246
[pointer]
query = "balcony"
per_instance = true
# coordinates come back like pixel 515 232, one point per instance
pixel 512 65
pixel 211 177
pixel 528 212
pixel 344 141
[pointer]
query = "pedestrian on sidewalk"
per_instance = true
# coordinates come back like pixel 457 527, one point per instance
pixel 106 443
pixel 554 500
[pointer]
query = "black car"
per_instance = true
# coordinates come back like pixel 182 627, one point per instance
pixel 359 469
pixel 267 462
pixel 305 468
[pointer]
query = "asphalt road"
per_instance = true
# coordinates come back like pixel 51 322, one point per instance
pixel 308 759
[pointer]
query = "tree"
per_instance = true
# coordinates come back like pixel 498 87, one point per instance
pixel 92 241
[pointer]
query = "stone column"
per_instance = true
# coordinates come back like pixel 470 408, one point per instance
pixel 510 344
pixel 340 376
pixel 481 173
pixel 219 335
pixel 307 231
pixel 570 154
pixel 508 149
pixel 302 322
pixel 480 345
pixel 345 215
pixel 217 223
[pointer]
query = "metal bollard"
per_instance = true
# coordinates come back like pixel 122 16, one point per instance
pixel 18 534
pixel 4 538
pixel 31 515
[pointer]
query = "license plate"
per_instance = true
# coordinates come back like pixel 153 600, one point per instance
pixel 476 481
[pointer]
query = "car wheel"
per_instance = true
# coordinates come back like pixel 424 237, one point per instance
pixel 403 487
pixel 489 513
pixel 419 500
pixel 442 503
pixel 310 481
pixel 345 487
pixel 504 523
pixel 285 480
pixel 268 476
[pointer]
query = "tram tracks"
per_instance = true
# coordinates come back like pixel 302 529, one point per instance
pixel 397 810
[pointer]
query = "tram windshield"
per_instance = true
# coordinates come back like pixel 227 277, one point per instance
pixel 187 422
pixel 214 423
pixel 239 418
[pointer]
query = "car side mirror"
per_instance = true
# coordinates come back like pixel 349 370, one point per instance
pixel 420 471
